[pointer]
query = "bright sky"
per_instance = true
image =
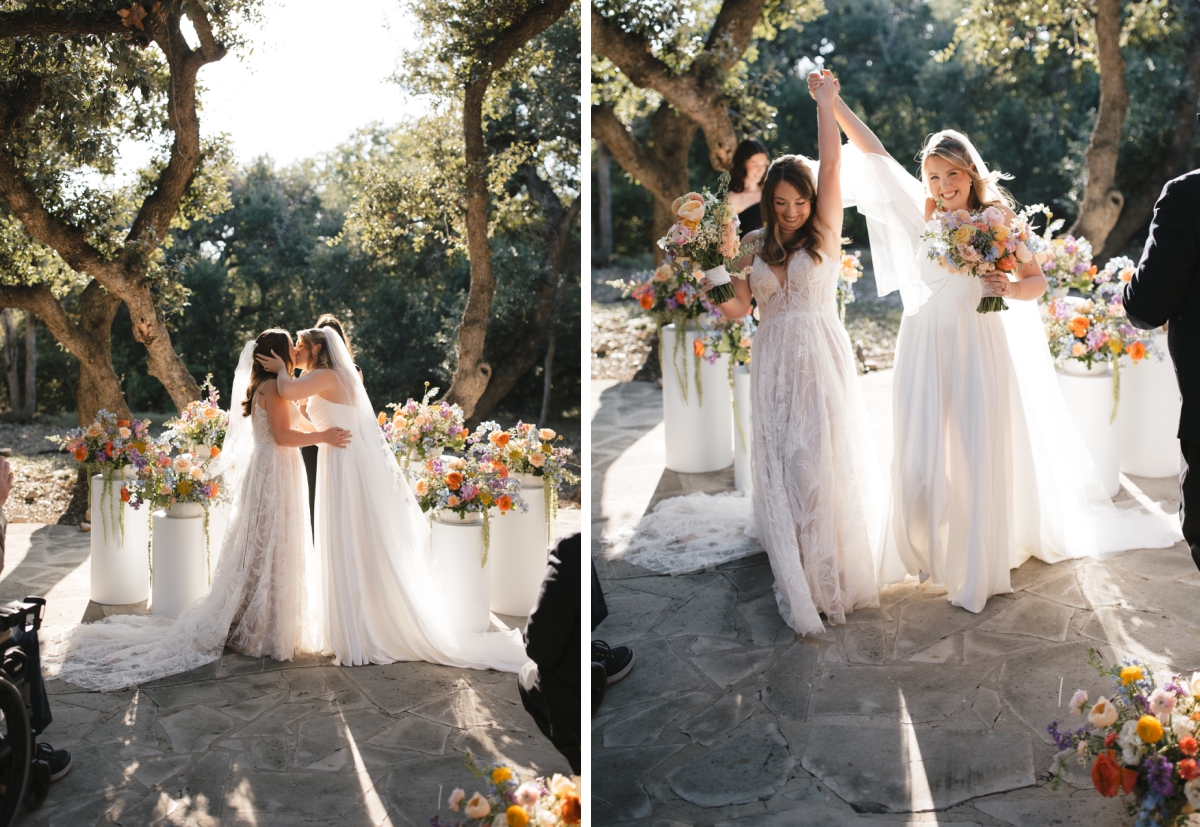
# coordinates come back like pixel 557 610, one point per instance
pixel 311 81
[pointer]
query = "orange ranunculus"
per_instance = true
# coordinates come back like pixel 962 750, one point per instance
pixel 1106 774
pixel 504 502
pixel 502 471
pixel 216 489
pixel 646 301
pixel 215 451
pixel 1093 270
pixel 502 439
pixel 454 480
pixel 108 449
pixel 1079 326
pixel 681 297
pixel 1188 769
pixel 1189 746
pixel 570 809
pixel 122 423
pixel 1007 263
pixel 80 454
pixel 124 494
pixel 1137 351
pixel 698 347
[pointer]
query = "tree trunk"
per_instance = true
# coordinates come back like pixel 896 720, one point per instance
pixel 548 365
pixel 30 406
pixel 602 250
pixel 10 360
pixel 1102 202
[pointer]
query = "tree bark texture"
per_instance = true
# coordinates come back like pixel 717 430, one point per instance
pixel 29 405
pixel 603 249
pixel 10 359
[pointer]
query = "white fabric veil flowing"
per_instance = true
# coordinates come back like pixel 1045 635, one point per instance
pixel 238 446
pixel 407 569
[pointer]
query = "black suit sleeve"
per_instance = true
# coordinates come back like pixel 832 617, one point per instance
pixel 552 633
pixel 1157 289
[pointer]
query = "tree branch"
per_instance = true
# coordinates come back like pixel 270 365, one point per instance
pixel 536 20
pixel 629 153
pixel 32 23
pixel 733 30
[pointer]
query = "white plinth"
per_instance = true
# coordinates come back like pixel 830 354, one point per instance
pixel 120 561
pixel 180 575
pixel 1148 417
pixel 699 428
pixel 1089 400
pixel 742 437
pixel 218 523
pixel 457 554
pixel 518 552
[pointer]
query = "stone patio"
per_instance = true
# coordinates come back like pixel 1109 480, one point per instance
pixel 252 741
pixel 917 712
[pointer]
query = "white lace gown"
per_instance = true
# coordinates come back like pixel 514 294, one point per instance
pixel 261 602
pixel 815 488
pixel 988 468
pixel 381 593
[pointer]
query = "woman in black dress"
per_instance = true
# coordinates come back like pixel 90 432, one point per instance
pixel 309 452
pixel 750 162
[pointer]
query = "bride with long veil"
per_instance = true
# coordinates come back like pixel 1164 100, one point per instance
pixel 380 591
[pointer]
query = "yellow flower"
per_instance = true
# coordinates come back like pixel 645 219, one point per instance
pixel 516 816
pixel 1001 233
pixel 185 487
pixel 963 235
pixel 547 449
pixel 1114 344
pixel 485 497
pixel 501 774
pixel 1129 674
pixel 1149 729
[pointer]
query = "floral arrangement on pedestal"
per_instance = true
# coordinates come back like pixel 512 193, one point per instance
pixel 735 338
pixel 423 429
pixel 467 486
pixel 1141 741
pixel 527 449
pixel 978 243
pixel 200 428
pixel 1066 261
pixel 540 802
pixel 105 447
pixel 850 271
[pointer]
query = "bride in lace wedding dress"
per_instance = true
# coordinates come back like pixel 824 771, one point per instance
pixel 265 599
pixel 380 589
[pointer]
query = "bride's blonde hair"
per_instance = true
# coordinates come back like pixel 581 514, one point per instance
pixel 954 147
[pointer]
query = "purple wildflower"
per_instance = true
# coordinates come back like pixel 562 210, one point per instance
pixel 1158 774
pixel 1065 740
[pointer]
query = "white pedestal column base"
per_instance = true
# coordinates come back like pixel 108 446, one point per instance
pixel 457 554
pixel 120 560
pixel 518 552
pixel 699 428
pixel 180 573
pixel 1089 400
pixel 1148 417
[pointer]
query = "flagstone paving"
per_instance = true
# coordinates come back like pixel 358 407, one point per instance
pixel 252 741
pixel 917 712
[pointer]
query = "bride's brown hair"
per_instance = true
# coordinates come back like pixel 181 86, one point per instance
pixel 276 340
pixel 774 248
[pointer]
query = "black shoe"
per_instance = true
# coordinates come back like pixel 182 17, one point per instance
pixel 618 661
pixel 58 759
pixel 599 686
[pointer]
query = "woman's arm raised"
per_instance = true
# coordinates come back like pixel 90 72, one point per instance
pixel 858 132
pixel 829 185
pixel 310 384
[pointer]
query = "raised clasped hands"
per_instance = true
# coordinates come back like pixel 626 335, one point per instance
pixel 823 87
pixel 272 363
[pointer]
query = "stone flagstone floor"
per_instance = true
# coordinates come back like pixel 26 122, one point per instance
pixel 917 712
pixel 252 741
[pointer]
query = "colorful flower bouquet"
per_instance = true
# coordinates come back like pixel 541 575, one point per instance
pixel 527 449
pixel 1141 741
pixel 424 428
pixel 981 243
pixel 851 271
pixel 105 447
pixel 553 802
pixel 467 486
pixel 167 481
pixel 705 237
pixel 200 429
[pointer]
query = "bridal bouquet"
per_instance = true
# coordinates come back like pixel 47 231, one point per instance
pixel 105 447
pixel 850 272
pixel 201 427
pixel 424 428
pixel 980 243
pixel 553 802
pixel 1142 741
pixel 527 449
pixel 467 486
pixel 705 238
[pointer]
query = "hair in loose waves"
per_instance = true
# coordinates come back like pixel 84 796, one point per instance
pixel 276 340
pixel 774 248
pixel 746 150
pixel 320 358
pixel 955 148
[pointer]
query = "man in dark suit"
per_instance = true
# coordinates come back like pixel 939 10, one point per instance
pixel 1166 288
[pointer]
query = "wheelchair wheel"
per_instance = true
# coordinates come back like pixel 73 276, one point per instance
pixel 16 743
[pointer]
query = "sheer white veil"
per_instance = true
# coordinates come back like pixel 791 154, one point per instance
pixel 238 446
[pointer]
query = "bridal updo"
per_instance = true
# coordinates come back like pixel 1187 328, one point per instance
pixel 957 149
pixel 276 340
pixel 774 248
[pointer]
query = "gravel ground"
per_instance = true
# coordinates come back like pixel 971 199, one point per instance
pixel 625 340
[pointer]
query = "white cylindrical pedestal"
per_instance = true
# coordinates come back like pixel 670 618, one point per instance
pixel 119 560
pixel 218 522
pixel 699 428
pixel 518 552
pixel 1089 400
pixel 457 554
pixel 1148 416
pixel 742 436
pixel 180 575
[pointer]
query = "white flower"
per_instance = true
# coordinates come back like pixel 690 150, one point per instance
pixel 1077 701
pixel 546 818
pixel 183 463
pixel 196 472
pixel 1131 756
pixel 1193 685
pixel 455 799
pixel 560 785
pixel 1192 790
pixel 1183 724
pixel 1162 703
pixel 1129 735
pixel 1103 713
pixel 478 806
pixel 527 794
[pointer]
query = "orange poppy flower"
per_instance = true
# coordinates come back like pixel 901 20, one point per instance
pixel 698 348
pixel 504 503
pixel 80 454
pixel 1137 351
pixel 646 301
pixel 454 480
pixel 1079 326
pixel 124 494
pixel 216 451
